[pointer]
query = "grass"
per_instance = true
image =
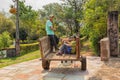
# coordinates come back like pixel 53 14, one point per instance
pixel 19 59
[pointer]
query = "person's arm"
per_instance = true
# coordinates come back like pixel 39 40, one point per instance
pixel 52 28
pixel 65 40
pixel 68 43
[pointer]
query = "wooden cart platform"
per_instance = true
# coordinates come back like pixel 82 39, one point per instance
pixel 53 56
pixel 47 57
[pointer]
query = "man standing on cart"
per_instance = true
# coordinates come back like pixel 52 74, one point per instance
pixel 50 32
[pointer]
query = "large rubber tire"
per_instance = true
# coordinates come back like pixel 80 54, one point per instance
pixel 83 63
pixel 45 64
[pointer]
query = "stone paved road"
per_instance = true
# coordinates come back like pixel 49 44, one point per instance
pixel 110 70
pixel 32 70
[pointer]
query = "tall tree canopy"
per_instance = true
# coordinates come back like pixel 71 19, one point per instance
pixel 73 13
pixel 28 18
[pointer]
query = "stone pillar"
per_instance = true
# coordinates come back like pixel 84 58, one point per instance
pixel 104 49
pixel 112 30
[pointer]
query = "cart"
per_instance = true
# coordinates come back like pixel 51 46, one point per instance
pixel 47 57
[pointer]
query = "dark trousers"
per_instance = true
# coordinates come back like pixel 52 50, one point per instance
pixel 65 49
pixel 52 42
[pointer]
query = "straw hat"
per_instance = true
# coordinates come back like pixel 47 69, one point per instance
pixel 51 16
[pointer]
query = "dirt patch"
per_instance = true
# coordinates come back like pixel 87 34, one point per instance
pixel 90 53
pixel 110 70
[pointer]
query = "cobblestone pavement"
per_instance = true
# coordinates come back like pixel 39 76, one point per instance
pixel 32 70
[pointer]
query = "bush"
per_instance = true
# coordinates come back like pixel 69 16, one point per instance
pixel 95 40
pixel 23 34
pixel 26 48
pixel 27 41
pixel 5 40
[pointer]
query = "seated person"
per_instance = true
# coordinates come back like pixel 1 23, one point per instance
pixel 68 46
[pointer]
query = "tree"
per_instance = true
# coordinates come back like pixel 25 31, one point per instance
pixel 28 18
pixel 6 24
pixel 73 13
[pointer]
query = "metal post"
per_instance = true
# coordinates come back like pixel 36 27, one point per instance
pixel 17 45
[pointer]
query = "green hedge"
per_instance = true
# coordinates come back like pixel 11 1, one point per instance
pixel 26 48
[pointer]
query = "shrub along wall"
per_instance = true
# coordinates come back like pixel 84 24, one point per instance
pixel 26 48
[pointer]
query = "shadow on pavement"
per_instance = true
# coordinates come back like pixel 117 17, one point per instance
pixel 64 74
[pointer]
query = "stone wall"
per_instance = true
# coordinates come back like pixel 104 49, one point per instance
pixel 9 52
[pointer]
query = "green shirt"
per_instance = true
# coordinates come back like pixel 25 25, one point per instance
pixel 48 29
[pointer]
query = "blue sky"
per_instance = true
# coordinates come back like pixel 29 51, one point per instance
pixel 36 4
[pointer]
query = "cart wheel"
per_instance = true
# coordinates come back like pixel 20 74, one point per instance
pixel 83 63
pixel 45 64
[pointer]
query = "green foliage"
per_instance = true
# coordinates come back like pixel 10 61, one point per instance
pixel 95 25
pixel 29 20
pixel 5 40
pixel 95 40
pixel 40 30
pixel 60 29
pixel 23 34
pixel 27 13
pixel 26 48
pixel 95 20
pixel 52 8
pixel 73 14
pixel 6 24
